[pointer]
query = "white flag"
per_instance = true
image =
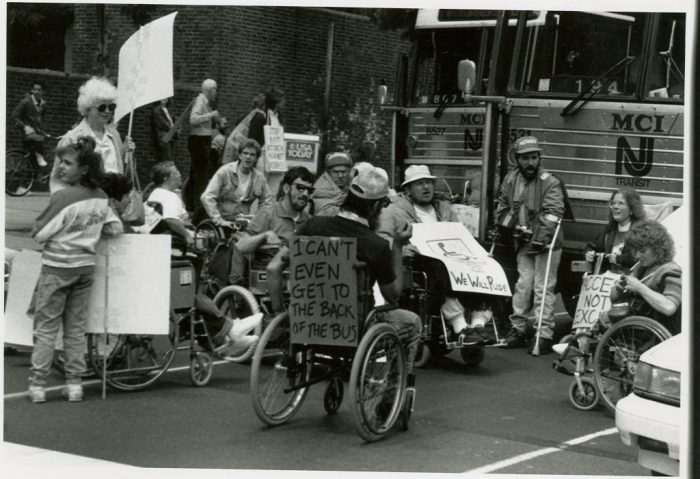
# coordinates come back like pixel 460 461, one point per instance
pixel 146 66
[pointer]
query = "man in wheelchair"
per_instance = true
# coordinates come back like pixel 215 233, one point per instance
pixel 367 195
pixel 419 203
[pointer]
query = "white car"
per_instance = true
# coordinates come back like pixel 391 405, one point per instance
pixel 650 417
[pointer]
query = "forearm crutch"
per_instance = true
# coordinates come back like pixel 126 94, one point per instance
pixel 536 347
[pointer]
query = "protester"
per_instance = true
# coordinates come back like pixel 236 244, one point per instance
pixel 96 104
pixel 236 186
pixel 332 186
pixel 626 209
pixel 653 288
pixel 218 141
pixel 274 102
pixel 167 179
pixel 29 115
pixel 275 224
pixel 161 124
pixel 332 208
pixel 199 142
pixel 529 205
pixel 69 228
pixel 240 132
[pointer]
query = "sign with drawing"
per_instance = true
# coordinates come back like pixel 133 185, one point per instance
pixel 468 264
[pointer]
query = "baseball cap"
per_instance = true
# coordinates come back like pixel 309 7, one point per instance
pixel 369 182
pixel 526 144
pixel 337 159
pixel 415 173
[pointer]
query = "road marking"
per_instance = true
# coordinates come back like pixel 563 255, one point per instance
pixel 540 452
pixel 93 382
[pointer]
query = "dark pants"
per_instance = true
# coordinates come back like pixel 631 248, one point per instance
pixel 165 151
pixel 34 143
pixel 198 147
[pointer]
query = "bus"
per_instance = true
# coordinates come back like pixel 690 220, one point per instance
pixel 602 91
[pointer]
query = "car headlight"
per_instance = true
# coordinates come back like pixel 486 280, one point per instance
pixel 658 384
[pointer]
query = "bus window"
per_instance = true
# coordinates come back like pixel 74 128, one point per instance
pixel 437 58
pixel 667 65
pixel 574 52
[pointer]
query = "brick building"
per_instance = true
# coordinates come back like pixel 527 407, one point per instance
pixel 246 50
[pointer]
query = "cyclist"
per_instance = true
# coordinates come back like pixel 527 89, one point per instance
pixel 28 115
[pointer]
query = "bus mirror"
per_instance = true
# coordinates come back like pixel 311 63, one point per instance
pixel 466 74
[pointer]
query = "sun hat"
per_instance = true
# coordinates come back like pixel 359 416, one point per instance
pixel 370 182
pixel 526 144
pixel 415 173
pixel 338 158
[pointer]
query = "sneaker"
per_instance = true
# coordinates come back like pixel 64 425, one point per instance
pixel 559 348
pixel 74 392
pixel 243 326
pixel 469 337
pixel 545 345
pixel 241 345
pixel 515 339
pixel 37 393
pixel 40 160
pixel 486 334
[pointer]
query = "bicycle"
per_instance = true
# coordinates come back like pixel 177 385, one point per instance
pixel 22 169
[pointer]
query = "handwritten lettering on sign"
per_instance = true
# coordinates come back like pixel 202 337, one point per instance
pixel 594 299
pixel 323 291
pixel 274 148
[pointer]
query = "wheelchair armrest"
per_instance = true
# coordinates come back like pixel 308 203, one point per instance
pixel 386 307
pixel 359 265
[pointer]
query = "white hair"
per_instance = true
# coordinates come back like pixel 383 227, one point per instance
pixel 95 91
pixel 208 83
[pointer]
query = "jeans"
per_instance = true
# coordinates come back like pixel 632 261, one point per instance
pixel 404 320
pixel 60 300
pixel 531 273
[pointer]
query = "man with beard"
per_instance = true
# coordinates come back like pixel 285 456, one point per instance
pixel 529 205
pixel 419 203
pixel 275 224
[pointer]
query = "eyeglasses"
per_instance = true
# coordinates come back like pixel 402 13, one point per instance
pixel 102 108
pixel 303 188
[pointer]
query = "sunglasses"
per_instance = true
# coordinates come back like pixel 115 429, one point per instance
pixel 102 108
pixel 304 188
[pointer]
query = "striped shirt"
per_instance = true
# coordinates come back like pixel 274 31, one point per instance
pixel 71 226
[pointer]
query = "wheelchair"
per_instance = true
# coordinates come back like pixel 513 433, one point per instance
pixel 437 339
pixel 132 362
pixel 603 358
pixel 381 390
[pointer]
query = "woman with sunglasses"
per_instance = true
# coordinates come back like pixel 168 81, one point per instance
pixel 96 104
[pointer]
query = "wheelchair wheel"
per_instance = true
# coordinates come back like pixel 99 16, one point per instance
pixel 276 367
pixel 333 396
pixel 201 369
pixel 377 382
pixel 472 355
pixel 19 173
pixel 617 355
pixel 133 361
pixel 584 399
pixel 236 302
pixel 422 355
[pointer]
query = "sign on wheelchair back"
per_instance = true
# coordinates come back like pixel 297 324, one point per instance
pixel 594 299
pixel 323 303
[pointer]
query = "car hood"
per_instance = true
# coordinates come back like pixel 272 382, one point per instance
pixel 671 354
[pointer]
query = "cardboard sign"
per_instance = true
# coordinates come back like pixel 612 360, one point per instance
pixel 323 291
pixel 274 149
pixel 138 293
pixel 594 298
pixel 468 264
pixel 302 150
pixel 468 215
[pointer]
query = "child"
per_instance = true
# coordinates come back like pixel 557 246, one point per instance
pixel 69 228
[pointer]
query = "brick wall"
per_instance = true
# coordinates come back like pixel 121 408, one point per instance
pixel 246 50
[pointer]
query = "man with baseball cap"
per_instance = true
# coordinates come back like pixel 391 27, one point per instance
pixel 529 205
pixel 332 185
pixel 419 203
pixel 367 195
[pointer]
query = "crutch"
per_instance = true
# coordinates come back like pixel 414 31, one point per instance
pixel 536 347
pixel 499 342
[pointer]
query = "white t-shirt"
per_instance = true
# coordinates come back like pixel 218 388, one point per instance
pixel 243 183
pixel 173 206
pixel 426 214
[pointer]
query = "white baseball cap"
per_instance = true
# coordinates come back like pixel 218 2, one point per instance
pixel 369 182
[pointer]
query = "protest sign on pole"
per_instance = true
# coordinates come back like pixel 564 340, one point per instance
pixel 468 264
pixel 594 298
pixel 275 154
pixel 146 66
pixel 323 291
